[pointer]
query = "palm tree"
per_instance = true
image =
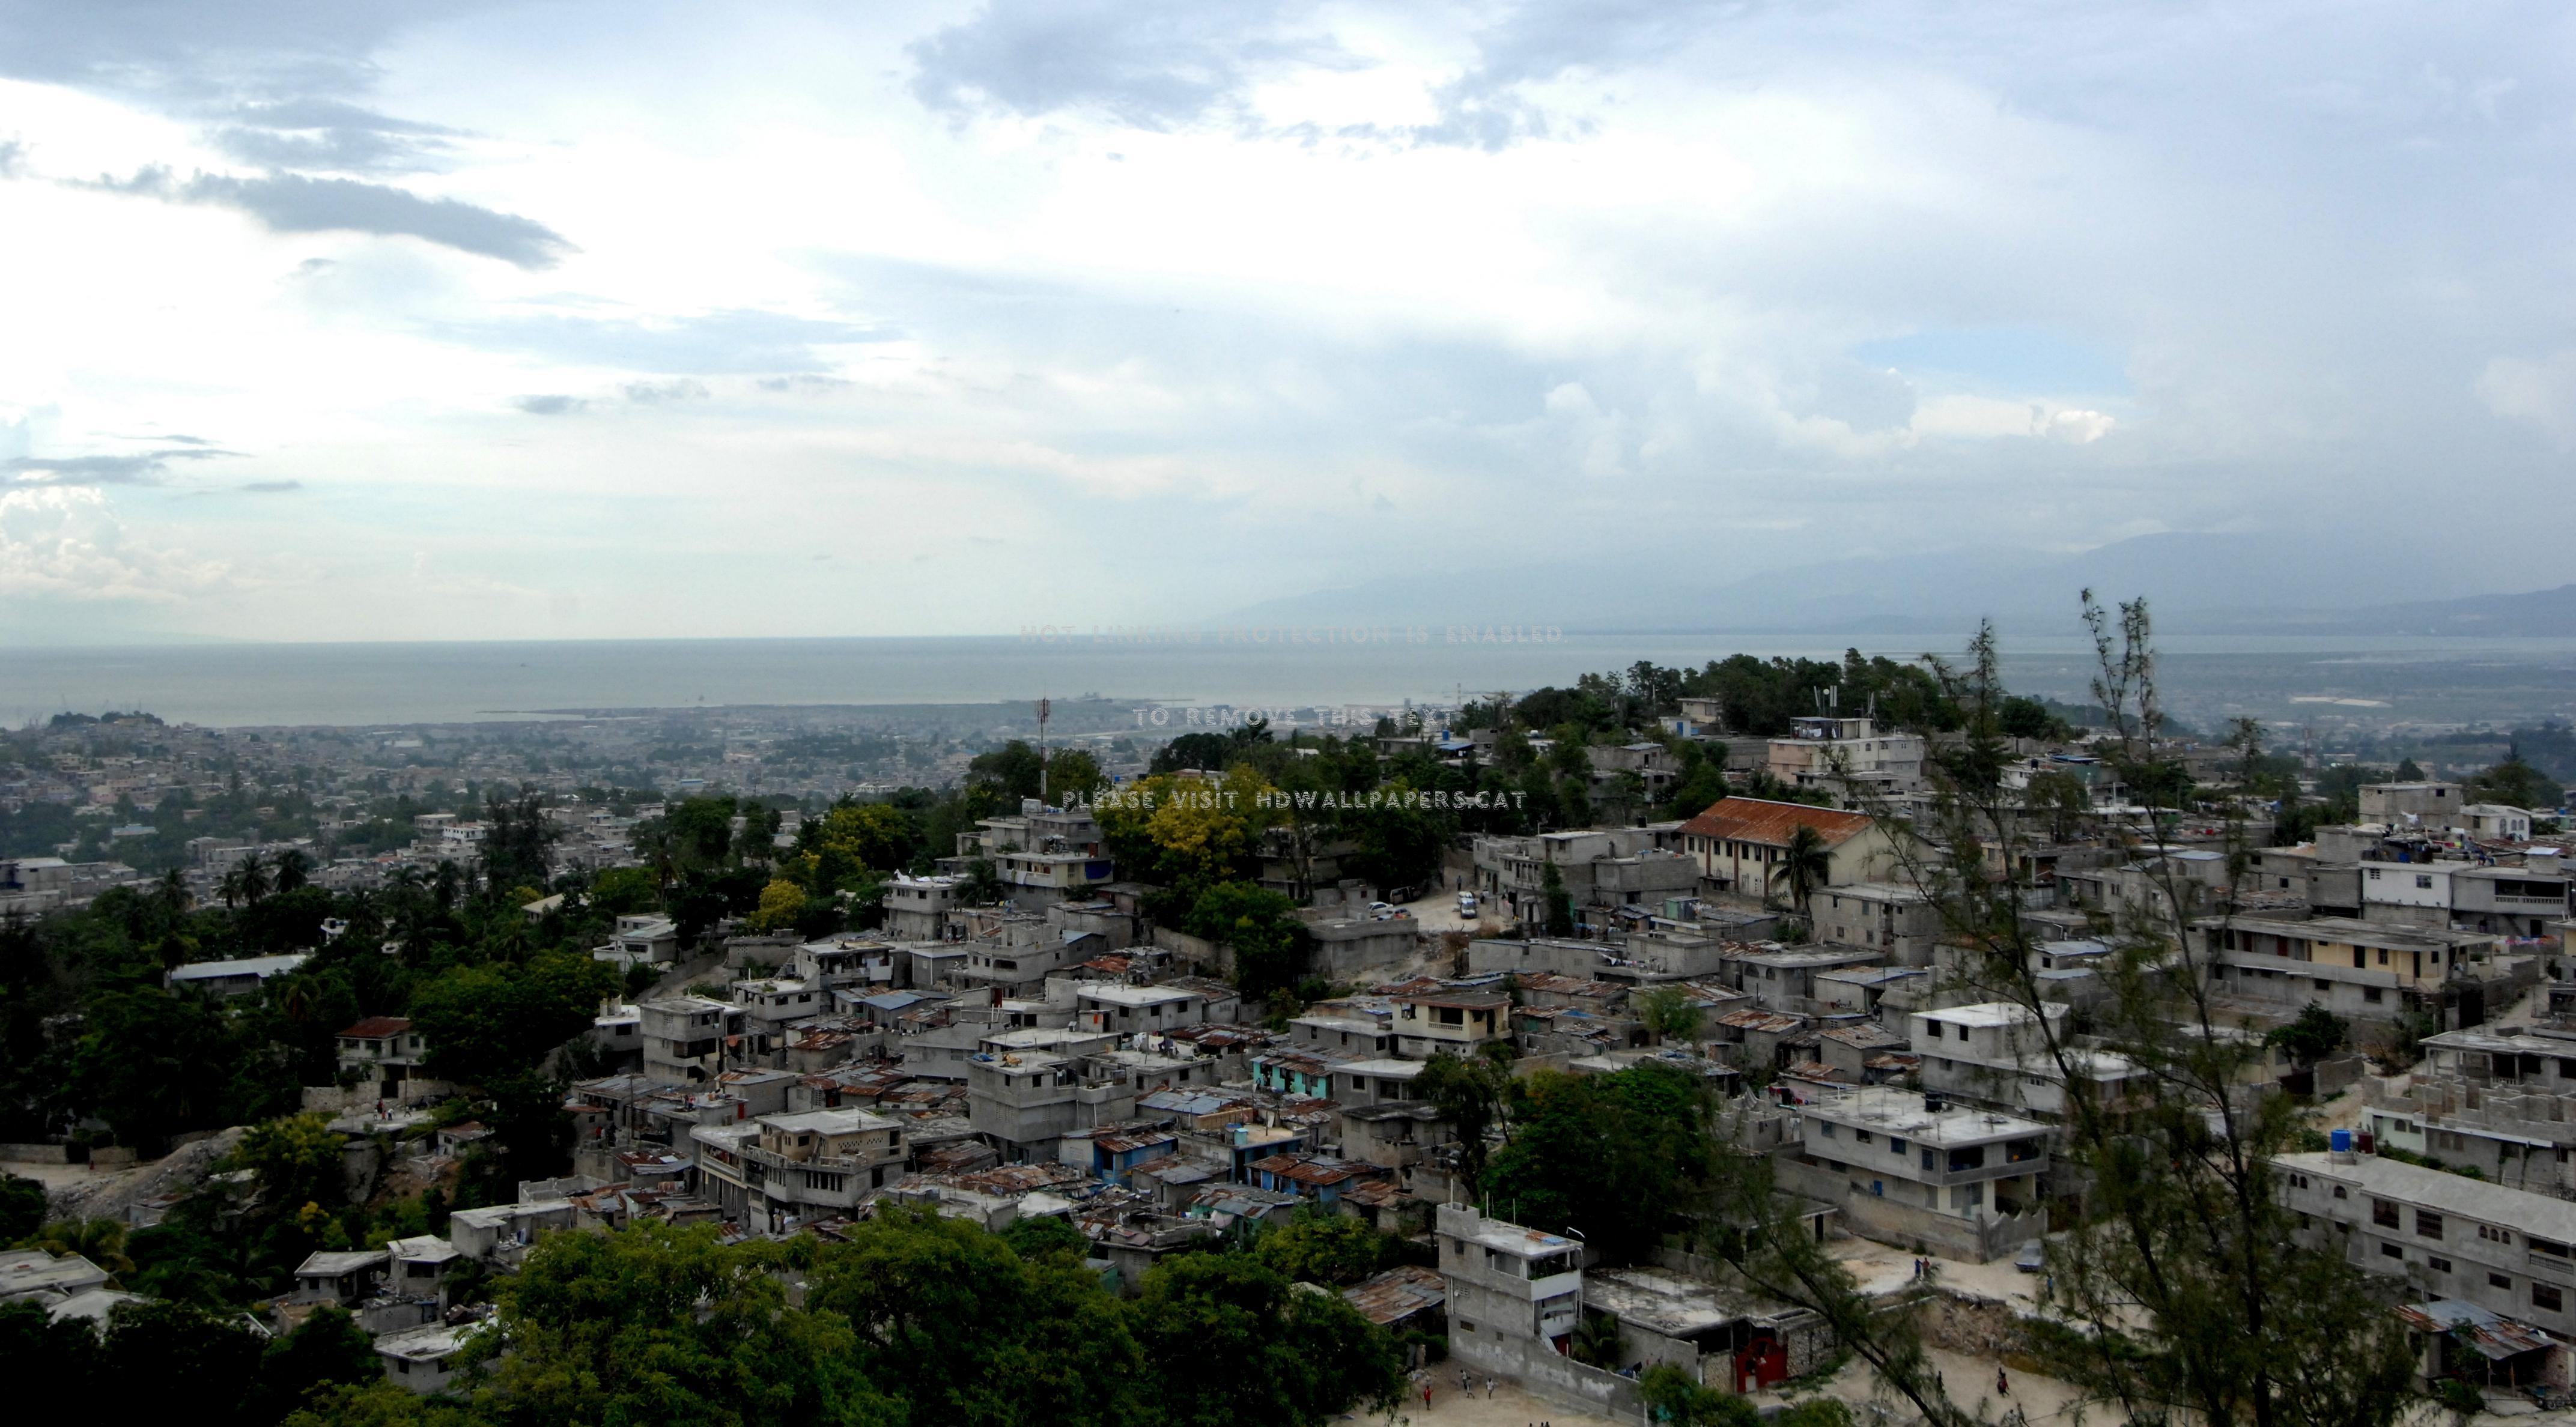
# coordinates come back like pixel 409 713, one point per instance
pixel 230 888
pixel 173 891
pixel 254 878
pixel 1806 864
pixel 445 883
pixel 294 870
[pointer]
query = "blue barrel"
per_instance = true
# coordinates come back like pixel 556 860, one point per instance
pixel 2339 1140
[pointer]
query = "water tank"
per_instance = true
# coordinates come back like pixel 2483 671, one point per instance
pixel 2339 1141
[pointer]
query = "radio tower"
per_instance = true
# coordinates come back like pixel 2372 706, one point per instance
pixel 1045 707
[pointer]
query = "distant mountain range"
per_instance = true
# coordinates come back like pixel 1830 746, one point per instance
pixel 2194 583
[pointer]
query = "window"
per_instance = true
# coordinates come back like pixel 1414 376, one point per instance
pixel 2339 1194
pixel 1895 1145
pixel 2546 1295
pixel 2370 995
pixel 2438 1265
pixel 2494 1235
pixel 1827 1126
pixel 2428 1224
pixel 2497 1280
pixel 2383 1213
pixel 1863 1136
pixel 2424 881
pixel 2391 1251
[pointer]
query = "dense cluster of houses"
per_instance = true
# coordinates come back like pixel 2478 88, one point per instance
pixel 1060 1055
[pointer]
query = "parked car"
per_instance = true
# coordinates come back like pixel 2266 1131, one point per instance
pixel 1467 904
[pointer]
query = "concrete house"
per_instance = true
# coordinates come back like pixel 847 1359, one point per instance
pixel 381 1052
pixel 2359 969
pixel 1908 1168
pixel 1737 843
pixel 1899 922
pixel 1429 1022
pixel 2454 1241
pixel 1515 1294
pixel 686 1038
pixel 1994 1054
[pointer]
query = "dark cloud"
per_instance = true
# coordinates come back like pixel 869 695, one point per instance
pixel 1164 64
pixel 185 52
pixel 656 393
pixel 552 404
pixel 315 133
pixel 1153 65
pixel 290 203
pixel 142 468
pixel 272 487
pixel 740 341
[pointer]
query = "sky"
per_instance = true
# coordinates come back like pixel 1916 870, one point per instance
pixel 440 319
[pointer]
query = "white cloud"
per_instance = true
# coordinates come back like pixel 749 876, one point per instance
pixel 2541 392
pixel 1199 279
pixel 64 541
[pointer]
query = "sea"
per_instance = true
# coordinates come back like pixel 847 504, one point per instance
pixel 250 684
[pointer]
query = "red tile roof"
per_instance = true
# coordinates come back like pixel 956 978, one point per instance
pixel 1760 820
pixel 378 1027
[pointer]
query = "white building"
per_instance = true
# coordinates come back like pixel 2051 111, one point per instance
pixel 1994 1053
pixel 1915 1169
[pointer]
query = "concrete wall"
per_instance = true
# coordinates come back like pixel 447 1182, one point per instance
pixel 1911 1226
pixel 1548 1374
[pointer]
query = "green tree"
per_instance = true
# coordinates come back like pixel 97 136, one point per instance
pixel 662 1324
pixel 1671 1013
pixel 2314 1035
pixel 1323 1247
pixel 1072 776
pixel 481 1022
pixel 1261 925
pixel 1619 1158
pixel 152 1064
pixel 22 1207
pixel 959 1328
pixel 2515 784
pixel 326 1350
pixel 1560 903
pixel 295 1161
pixel 1229 1344
pixel 1805 865
pixel 1472 1094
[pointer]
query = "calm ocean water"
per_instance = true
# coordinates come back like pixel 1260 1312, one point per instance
pixel 236 684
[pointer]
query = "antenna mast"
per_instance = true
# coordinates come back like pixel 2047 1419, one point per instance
pixel 1045 707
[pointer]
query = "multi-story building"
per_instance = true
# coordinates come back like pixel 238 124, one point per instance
pixel 799 1167
pixel 1901 923
pixel 2356 969
pixel 1849 758
pixel 916 908
pixel 2455 1241
pixel 2401 805
pixel 685 1038
pixel 1916 1169
pixel 380 1053
pixel 1740 843
pixel 1515 1294
pixel 1994 1054
pixel 2499 1101
pixel 1428 1022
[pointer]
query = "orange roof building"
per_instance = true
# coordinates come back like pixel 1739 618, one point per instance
pixel 1738 841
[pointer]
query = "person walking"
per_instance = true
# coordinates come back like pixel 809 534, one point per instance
pixel 2003 1385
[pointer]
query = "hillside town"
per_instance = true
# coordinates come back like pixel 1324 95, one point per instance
pixel 1171 1001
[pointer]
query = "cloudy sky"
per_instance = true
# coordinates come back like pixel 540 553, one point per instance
pixel 368 319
